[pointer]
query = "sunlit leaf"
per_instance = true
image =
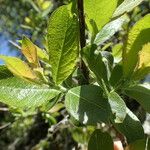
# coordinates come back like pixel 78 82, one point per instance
pixel 110 29
pixel 117 52
pixel 29 51
pixel 33 52
pixel 62 43
pixel 138 36
pixel 18 67
pixel 143 67
pixel 126 6
pixel 23 95
pixel 99 12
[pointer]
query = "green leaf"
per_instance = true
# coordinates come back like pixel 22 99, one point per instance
pixel 95 62
pixel 42 55
pixel 143 144
pixel 126 6
pixel 108 60
pixel 117 106
pixel 117 52
pixel 100 141
pixel 18 67
pixel 99 12
pixel 110 29
pixel 49 104
pixel 143 67
pixel 141 94
pixel 119 2
pixel 23 95
pixel 4 72
pixel 116 75
pixel 63 43
pixel 138 36
pixel 87 104
pixel 131 127
pixel 80 136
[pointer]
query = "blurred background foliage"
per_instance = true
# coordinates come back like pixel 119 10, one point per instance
pixel 44 130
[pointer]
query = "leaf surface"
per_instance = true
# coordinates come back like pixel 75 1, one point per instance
pixel 126 6
pixel 33 52
pixel 143 67
pixel 30 52
pixel 95 62
pixel 100 141
pixel 118 106
pixel 18 67
pixel 87 105
pixel 138 36
pixel 141 94
pixel 63 43
pixel 23 95
pixel 110 29
pixel 131 127
pixel 143 144
pixel 99 12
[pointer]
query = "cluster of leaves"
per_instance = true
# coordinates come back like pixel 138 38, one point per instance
pixel 52 74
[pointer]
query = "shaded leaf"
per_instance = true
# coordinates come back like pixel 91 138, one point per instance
pixel 100 141
pixel 131 127
pixel 143 144
pixel 116 75
pixel 99 12
pixel 117 106
pixel 86 104
pixel 62 43
pixel 18 67
pixel 126 6
pixel 141 94
pixel 138 36
pixel 4 72
pixel 95 62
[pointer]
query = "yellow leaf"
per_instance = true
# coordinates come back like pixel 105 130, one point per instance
pixel 33 52
pixel 143 67
pixel 30 51
pixel 144 56
pixel 18 67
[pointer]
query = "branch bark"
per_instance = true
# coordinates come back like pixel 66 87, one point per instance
pixel 83 68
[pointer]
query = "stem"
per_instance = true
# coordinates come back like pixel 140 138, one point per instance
pixel 82 67
pixel 82 23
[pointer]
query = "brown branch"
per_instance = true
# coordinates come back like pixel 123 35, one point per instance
pixel 83 68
